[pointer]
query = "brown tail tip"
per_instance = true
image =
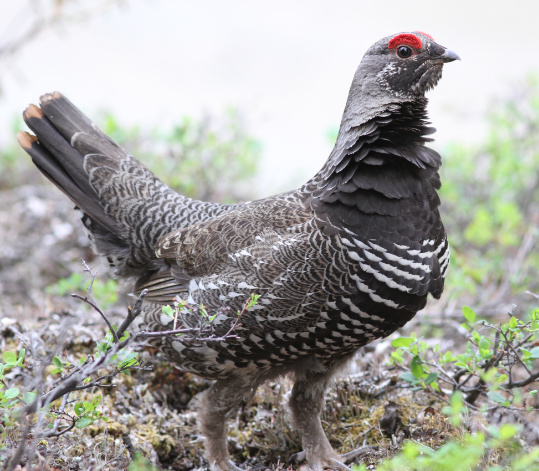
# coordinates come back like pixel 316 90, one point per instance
pixel 33 112
pixel 25 139
pixel 47 97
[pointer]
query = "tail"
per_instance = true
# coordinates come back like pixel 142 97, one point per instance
pixel 125 208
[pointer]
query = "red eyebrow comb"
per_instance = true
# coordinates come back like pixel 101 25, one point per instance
pixel 405 39
pixel 425 34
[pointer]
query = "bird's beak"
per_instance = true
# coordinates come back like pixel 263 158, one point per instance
pixel 448 56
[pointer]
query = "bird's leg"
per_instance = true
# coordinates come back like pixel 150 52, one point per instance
pixel 306 403
pixel 221 398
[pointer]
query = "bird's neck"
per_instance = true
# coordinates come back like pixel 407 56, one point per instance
pixel 383 159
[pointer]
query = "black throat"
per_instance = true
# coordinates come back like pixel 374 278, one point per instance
pixel 379 168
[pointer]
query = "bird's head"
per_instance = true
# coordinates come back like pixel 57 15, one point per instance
pixel 406 64
pixel 398 68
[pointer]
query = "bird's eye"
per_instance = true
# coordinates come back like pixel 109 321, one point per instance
pixel 404 52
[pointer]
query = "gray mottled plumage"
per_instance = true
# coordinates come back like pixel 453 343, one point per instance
pixel 347 258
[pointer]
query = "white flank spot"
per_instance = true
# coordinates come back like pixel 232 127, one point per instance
pixel 233 294
pixel 402 247
pixel 256 307
pixel 244 285
pixel 355 256
pixel 361 245
pixel 445 256
pixel 407 263
pixel 291 317
pixel 346 242
pixel 398 272
pixel 219 319
pixel 383 278
pixel 365 289
pixel 377 247
pixel 193 285
pixel 178 346
pixel 165 320
pixel 212 285
pixel 255 338
pixel 356 310
pixel 372 257
pixel 440 247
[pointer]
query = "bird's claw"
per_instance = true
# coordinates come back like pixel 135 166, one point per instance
pixel 338 462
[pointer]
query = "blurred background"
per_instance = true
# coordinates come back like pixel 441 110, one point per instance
pixel 237 100
pixel 285 66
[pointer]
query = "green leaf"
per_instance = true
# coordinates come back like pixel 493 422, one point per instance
pixel 168 311
pixel 28 397
pixel 409 377
pixel 469 314
pixel 22 354
pixel 10 358
pixel 534 353
pixel 508 431
pixel 513 322
pixel 417 369
pixel 57 362
pixel 448 356
pixel 431 378
pixel 484 343
pixel 11 393
pixel 402 342
pixel 83 422
pixel 496 397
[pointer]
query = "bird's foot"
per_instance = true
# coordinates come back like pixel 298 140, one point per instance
pixel 319 463
pixel 352 455
pixel 228 465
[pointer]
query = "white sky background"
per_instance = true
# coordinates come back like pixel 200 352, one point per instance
pixel 286 65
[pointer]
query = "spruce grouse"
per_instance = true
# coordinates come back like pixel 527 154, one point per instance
pixel 347 258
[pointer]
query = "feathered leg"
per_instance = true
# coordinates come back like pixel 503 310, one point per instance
pixel 306 403
pixel 221 399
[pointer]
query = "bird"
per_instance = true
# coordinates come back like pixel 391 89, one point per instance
pixel 348 257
